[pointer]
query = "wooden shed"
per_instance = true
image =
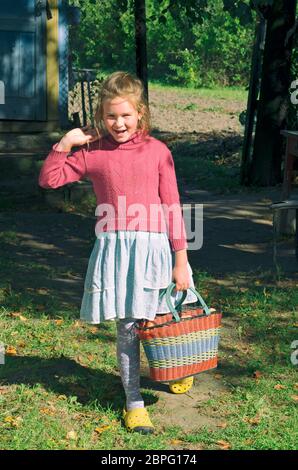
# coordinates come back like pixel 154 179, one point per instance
pixel 33 65
pixel 34 86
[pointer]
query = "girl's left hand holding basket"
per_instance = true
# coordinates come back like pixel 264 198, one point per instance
pixel 180 276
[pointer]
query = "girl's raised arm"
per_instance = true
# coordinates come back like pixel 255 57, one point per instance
pixel 60 168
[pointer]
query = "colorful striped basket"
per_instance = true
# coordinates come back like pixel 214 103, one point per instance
pixel 181 343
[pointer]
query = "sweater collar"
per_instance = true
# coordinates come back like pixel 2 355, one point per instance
pixel 135 140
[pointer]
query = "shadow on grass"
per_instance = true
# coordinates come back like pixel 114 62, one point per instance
pixel 64 376
pixel 44 266
pixel 104 333
pixel 43 259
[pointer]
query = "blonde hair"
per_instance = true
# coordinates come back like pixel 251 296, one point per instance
pixel 123 84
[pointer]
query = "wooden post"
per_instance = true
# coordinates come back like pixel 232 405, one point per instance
pixel 273 103
pixel 83 101
pixel 141 44
pixel 251 108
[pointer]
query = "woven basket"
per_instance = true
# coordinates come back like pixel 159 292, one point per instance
pixel 183 342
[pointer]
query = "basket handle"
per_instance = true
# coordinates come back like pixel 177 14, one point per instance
pixel 167 292
pixel 173 309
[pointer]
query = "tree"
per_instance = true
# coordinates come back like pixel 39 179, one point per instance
pixel 264 168
pixel 273 106
pixel 178 35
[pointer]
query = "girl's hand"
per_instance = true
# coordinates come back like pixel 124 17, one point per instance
pixel 180 275
pixel 77 137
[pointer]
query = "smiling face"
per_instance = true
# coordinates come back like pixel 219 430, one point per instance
pixel 120 118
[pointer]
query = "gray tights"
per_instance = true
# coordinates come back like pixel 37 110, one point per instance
pixel 128 356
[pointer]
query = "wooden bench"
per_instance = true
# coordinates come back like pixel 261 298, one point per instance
pixel 280 206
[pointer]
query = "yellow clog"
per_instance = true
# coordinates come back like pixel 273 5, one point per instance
pixel 137 420
pixel 181 386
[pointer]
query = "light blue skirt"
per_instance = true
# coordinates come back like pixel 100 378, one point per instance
pixel 126 274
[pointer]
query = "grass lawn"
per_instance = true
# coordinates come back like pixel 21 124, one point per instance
pixel 59 386
pixel 225 93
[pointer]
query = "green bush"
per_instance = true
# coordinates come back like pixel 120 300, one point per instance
pixel 214 52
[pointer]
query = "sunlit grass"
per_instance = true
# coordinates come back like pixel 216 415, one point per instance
pixel 225 93
pixel 60 386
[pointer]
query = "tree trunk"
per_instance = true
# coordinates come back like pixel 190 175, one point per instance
pixel 265 169
pixel 141 43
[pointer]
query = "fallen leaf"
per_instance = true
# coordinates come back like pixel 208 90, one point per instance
pixel 11 351
pixel 8 419
pixel 15 314
pixel 15 422
pixel 42 291
pixel 279 387
pixel 101 429
pixel 243 289
pixel 222 425
pixel 176 442
pixel 295 386
pixel 93 330
pixel 71 435
pixel 218 376
pixel 18 315
pixel 257 374
pixel 21 344
pixel 294 398
pixel 62 397
pixel 58 322
pixel 224 445
pixel 47 411
pixel 254 421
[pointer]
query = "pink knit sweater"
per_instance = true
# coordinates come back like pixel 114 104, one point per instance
pixel 134 183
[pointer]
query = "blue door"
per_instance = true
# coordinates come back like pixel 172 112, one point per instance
pixel 23 59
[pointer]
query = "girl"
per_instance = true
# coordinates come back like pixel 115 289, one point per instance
pixel 134 258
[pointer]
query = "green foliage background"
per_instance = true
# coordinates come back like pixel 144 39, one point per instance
pixel 211 49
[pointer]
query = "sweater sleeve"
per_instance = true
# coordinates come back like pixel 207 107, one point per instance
pixel 170 199
pixel 60 168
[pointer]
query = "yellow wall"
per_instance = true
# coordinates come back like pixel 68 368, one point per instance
pixel 52 63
